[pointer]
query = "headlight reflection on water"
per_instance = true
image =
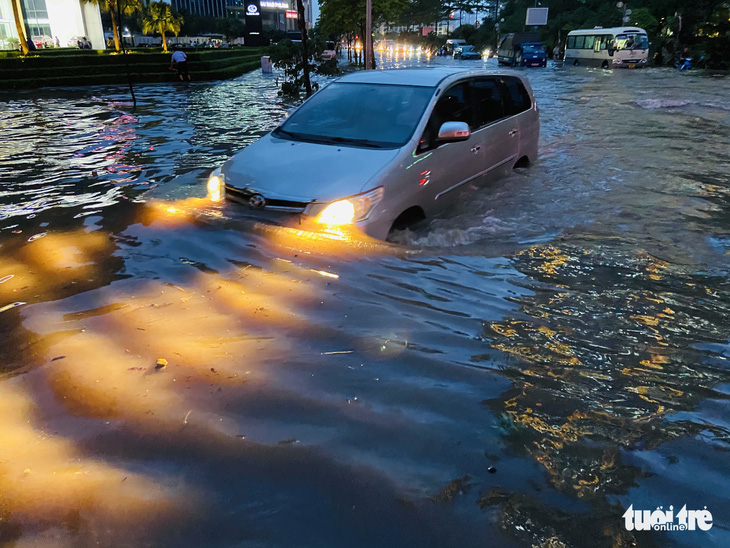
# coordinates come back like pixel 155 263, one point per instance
pixel 95 357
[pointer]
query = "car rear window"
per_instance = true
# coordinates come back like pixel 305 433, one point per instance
pixel 516 97
pixel 487 100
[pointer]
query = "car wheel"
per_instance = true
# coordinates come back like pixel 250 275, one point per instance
pixel 407 219
pixel 575 63
pixel 604 65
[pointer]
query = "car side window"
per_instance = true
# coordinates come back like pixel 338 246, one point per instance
pixel 516 97
pixel 454 105
pixel 487 101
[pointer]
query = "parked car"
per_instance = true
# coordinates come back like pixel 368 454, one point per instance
pixel 467 52
pixel 380 150
pixel 43 41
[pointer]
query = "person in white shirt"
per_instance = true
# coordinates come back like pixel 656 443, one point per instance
pixel 179 62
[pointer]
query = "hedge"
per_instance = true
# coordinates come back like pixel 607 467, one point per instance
pixel 91 68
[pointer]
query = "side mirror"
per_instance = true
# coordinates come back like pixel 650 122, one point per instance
pixel 450 132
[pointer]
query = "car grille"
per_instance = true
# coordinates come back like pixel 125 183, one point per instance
pixel 244 196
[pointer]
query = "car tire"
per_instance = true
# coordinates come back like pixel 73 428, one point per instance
pixel 604 65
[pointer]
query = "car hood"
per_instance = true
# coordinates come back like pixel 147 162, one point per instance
pixel 295 170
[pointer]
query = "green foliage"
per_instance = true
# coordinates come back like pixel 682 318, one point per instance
pixel 161 17
pixel 341 17
pixel 287 55
pixel 642 17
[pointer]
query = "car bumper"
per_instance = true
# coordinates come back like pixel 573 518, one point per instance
pixel 374 226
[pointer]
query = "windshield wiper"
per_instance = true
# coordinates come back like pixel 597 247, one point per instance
pixel 325 140
pixel 357 142
pixel 280 131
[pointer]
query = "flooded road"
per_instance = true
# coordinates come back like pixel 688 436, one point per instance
pixel 517 373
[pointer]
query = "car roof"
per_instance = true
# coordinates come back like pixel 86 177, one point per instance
pixel 427 77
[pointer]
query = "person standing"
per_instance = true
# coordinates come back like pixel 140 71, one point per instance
pixel 179 62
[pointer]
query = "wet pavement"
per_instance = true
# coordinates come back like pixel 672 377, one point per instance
pixel 518 372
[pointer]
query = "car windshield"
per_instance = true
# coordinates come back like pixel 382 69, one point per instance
pixel 532 48
pixel 632 41
pixel 467 48
pixel 358 115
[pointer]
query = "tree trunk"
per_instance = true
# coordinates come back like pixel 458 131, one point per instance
pixel 115 29
pixel 305 53
pixel 164 43
pixel 18 16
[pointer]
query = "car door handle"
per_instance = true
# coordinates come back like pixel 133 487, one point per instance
pixel 513 132
pixel 475 149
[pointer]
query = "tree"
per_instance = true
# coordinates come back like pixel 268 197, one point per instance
pixel 343 17
pixel 115 9
pixel 18 16
pixel 305 54
pixel 160 17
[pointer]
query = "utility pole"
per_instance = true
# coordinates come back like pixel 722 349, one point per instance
pixel 368 38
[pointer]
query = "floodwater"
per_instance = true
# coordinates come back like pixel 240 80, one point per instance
pixel 517 373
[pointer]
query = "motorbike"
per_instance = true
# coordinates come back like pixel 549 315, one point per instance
pixel 685 63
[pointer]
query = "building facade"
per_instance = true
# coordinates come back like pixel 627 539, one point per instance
pixel 275 14
pixel 52 21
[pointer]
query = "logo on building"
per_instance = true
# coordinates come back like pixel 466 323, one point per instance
pixel 252 9
pixel 665 520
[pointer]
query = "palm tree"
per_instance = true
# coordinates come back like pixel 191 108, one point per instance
pixel 18 16
pixel 116 8
pixel 160 17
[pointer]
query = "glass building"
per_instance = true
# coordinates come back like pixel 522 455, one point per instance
pixel 52 22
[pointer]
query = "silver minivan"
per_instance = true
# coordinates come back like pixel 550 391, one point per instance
pixel 380 150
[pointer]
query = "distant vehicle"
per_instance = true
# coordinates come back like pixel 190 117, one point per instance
pixel 466 52
pixel 532 55
pixel 456 125
pixel 509 50
pixel 453 43
pixel 617 47
pixel 43 41
pixel 386 46
pixel 329 51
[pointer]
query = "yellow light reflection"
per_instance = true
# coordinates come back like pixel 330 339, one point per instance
pixel 43 480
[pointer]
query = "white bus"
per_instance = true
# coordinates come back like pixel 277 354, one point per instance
pixel 607 48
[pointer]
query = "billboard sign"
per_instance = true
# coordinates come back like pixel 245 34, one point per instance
pixel 254 27
pixel 536 16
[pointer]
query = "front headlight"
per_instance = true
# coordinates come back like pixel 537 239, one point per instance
pixel 348 210
pixel 216 186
